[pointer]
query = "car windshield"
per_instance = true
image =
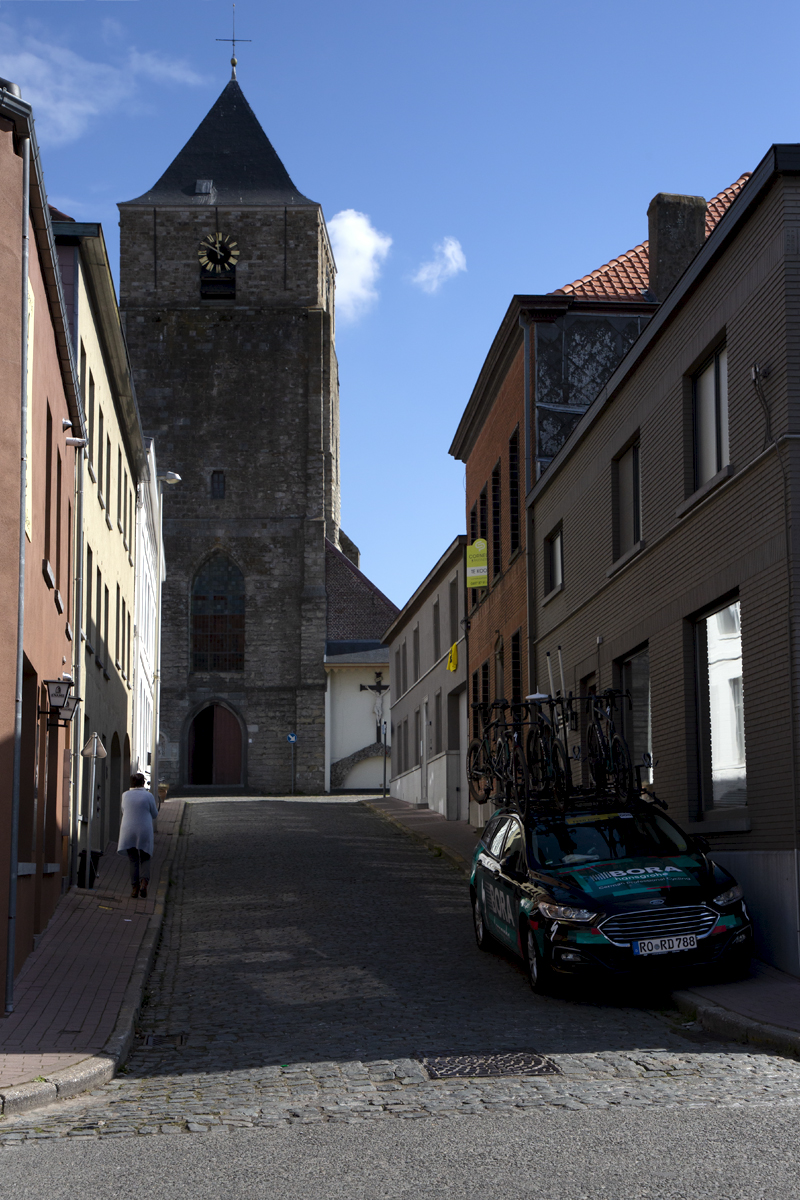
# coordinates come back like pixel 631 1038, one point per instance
pixel 584 838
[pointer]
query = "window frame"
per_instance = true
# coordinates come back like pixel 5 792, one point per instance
pixel 553 585
pixel 722 437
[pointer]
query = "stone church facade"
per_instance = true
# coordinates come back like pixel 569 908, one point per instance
pixel 227 294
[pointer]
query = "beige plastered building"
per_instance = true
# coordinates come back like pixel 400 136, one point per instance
pixel 111 467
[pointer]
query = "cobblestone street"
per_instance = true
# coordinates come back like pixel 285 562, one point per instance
pixel 311 953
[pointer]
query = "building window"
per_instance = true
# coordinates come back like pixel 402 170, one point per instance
pixel 397 675
pixel 404 655
pixel 485 684
pixel 415 651
pixel 476 725
pixel 483 515
pixel 117 629
pixel 106 625
pixel 99 617
pixel 91 406
pixel 711 443
pixel 628 497
pixel 553 561
pixel 217 485
pixel 635 709
pixel 48 484
pixel 417 737
pixel 405 744
pixel 437 723
pixel 108 476
pixel 513 492
pixel 437 632
pixel 723 769
pixel 89 570
pixel 218 616
pixel 119 492
pixel 516 668
pixel 100 443
pixel 497 550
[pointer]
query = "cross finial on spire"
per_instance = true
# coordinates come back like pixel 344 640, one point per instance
pixel 233 40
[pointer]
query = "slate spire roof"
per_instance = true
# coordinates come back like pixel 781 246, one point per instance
pixel 230 151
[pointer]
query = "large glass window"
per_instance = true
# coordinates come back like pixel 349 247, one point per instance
pixel 711 444
pixel 629 520
pixel 635 710
pixel 721 699
pixel 218 617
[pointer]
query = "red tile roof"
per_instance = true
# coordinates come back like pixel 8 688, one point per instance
pixel 626 277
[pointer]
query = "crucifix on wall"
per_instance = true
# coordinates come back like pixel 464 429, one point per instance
pixel 377 688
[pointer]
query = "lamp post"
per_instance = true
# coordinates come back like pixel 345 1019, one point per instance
pixel 170 478
pixel 93 749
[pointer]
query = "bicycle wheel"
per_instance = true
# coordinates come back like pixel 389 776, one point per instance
pixel 535 759
pixel 561 773
pixel 519 784
pixel 479 771
pixel 621 766
pixel 596 755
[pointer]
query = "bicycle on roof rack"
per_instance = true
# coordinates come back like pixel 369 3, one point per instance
pixel 526 764
pixel 495 760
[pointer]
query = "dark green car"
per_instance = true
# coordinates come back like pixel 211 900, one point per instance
pixel 618 890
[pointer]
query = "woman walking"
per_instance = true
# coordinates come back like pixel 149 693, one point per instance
pixel 139 811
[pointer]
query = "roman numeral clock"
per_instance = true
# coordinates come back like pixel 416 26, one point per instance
pixel 218 254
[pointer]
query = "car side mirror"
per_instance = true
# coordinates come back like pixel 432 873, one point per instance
pixel 701 844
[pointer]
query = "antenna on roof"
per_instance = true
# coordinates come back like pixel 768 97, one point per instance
pixel 233 40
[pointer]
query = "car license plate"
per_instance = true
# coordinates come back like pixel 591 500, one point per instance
pixel 665 945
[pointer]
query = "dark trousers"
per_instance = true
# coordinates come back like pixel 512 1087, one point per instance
pixel 140 866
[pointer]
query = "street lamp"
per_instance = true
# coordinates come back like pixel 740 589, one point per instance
pixel 170 478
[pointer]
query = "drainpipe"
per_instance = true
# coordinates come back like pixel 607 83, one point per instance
pixel 76 733
pixel 25 146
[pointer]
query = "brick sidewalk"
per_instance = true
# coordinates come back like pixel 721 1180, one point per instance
pixel 68 995
pixel 763 1005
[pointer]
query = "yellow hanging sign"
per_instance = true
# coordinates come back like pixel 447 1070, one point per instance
pixel 452 658
pixel 478 564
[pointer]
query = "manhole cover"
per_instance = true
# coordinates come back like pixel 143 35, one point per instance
pixel 152 1040
pixel 460 1066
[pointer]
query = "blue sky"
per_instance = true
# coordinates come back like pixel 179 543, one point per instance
pixel 488 148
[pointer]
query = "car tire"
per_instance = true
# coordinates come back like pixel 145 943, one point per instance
pixel 483 938
pixel 539 974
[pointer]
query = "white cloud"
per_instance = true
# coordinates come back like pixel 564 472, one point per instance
pixel 67 91
pixel 359 250
pixel 448 260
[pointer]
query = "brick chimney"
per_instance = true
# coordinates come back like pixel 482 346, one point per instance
pixel 677 230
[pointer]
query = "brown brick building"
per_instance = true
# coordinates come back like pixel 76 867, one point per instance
pixel 40 788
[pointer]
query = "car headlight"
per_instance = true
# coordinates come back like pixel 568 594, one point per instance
pixel 563 912
pixel 732 894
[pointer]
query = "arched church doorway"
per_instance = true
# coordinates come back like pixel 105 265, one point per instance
pixel 215 747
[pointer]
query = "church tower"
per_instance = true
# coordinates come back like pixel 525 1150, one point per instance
pixel 227 295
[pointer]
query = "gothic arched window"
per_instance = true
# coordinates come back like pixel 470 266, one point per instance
pixel 218 616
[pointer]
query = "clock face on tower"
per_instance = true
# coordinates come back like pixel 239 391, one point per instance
pixel 218 253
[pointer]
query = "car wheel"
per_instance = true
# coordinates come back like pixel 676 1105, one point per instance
pixel 482 936
pixel 538 972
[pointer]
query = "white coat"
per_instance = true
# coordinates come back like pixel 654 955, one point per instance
pixel 139 810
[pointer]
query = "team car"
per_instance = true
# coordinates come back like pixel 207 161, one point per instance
pixel 616 890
